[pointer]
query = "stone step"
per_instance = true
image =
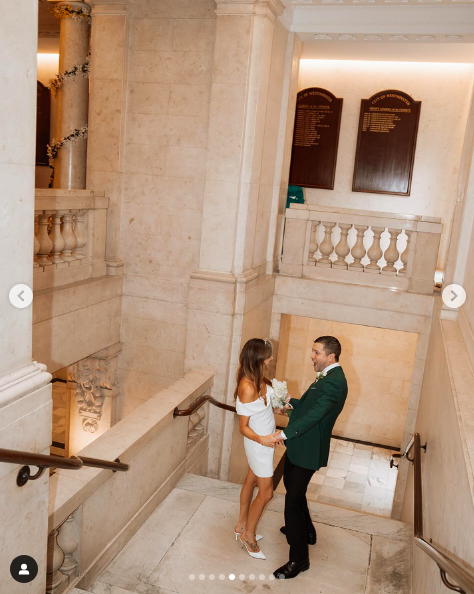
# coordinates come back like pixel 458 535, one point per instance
pixel 188 541
pixel 320 512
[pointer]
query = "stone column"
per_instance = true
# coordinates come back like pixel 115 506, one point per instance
pixel 107 112
pixel 73 96
pixel 219 317
pixel 93 387
pixel 25 389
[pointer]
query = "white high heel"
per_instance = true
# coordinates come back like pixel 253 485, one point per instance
pixel 257 536
pixel 255 555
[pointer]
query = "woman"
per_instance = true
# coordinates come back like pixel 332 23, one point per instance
pixel 257 423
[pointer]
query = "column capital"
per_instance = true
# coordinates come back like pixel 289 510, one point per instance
pixel 270 8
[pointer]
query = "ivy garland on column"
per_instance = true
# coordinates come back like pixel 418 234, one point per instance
pixel 56 83
pixel 53 148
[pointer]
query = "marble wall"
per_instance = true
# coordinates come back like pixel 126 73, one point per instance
pixel 466 313
pixel 25 392
pixel 76 320
pixel 167 113
pixel 444 421
pixel 378 364
pixel 439 147
pixel 271 173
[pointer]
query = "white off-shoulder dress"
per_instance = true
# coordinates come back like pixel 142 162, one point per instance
pixel 262 421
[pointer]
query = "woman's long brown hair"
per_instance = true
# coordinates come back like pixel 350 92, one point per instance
pixel 251 359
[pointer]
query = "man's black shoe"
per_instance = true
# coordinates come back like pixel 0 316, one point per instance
pixel 311 538
pixel 290 570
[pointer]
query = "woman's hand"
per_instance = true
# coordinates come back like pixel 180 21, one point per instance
pixel 271 440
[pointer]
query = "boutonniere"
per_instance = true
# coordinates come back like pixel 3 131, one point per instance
pixel 320 375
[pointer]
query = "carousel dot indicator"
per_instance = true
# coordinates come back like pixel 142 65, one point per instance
pixel 222 576
pixel 242 576
pixel 192 576
pixel 212 576
pixel 231 576
pixel 202 576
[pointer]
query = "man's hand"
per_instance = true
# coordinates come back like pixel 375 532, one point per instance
pixel 278 438
pixel 271 440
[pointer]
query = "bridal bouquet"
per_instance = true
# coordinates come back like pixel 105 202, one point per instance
pixel 280 397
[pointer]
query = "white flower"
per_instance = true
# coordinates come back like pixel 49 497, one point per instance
pixel 320 375
pixel 280 396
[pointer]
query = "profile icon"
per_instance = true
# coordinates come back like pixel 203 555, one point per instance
pixel 23 569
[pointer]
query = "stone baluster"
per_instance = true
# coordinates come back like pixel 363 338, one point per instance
pixel 313 244
pixel 375 251
pixel 79 253
pixel 202 415
pixel 56 238
pixel 68 542
pixel 391 253
pixel 44 240
pixel 404 256
pixel 326 248
pixel 55 558
pixel 36 244
pixel 342 248
pixel 358 249
pixel 69 237
pixel 191 431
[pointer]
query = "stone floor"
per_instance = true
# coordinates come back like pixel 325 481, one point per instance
pixel 357 477
pixel 187 546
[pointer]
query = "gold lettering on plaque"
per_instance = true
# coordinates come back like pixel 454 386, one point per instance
pixel 308 119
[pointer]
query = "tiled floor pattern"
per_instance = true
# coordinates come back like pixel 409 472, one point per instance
pixel 187 546
pixel 357 477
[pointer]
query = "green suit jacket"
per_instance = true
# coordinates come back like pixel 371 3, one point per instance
pixel 311 422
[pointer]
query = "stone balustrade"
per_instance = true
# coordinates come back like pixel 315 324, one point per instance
pixel 70 236
pixel 361 247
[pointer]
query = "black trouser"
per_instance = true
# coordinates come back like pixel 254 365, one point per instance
pixel 297 518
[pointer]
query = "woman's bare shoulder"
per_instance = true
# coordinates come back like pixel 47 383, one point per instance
pixel 246 391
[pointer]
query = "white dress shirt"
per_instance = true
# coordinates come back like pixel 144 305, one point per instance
pixel 326 369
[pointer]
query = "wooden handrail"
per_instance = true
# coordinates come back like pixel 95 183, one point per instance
pixel 43 461
pixel 447 563
pixel 198 403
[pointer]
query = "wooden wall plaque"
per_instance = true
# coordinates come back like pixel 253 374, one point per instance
pixel 388 126
pixel 315 139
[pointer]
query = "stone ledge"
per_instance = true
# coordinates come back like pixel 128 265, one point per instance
pixel 69 488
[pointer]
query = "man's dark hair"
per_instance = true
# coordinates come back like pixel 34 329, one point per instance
pixel 331 345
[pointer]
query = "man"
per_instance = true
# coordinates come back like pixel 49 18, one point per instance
pixel 307 438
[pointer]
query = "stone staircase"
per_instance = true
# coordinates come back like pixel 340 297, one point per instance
pixel 187 546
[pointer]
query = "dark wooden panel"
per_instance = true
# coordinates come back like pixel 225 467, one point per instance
pixel 43 109
pixel 315 139
pixel 388 127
